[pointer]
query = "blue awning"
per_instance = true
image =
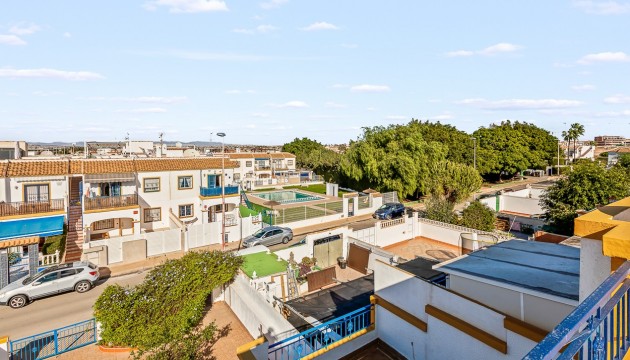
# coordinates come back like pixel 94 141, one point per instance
pixel 41 226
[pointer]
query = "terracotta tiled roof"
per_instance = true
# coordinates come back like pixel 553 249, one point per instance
pixel 36 168
pixel 174 164
pixel 3 168
pixel 280 155
pixel 101 166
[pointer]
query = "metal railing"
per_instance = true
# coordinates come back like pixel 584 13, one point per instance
pixel 599 328
pixel 216 191
pixel 30 207
pixel 54 342
pixel 263 167
pixel 321 336
pixel 299 213
pixel 500 235
pixel 108 202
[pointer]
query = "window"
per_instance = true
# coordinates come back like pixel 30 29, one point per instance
pixel 237 176
pixel 248 164
pixel 152 214
pixel 36 193
pixel 66 273
pixel 151 185
pixel 106 189
pixel 184 182
pixel 185 210
pixel 290 162
pixel 103 224
pixel 47 278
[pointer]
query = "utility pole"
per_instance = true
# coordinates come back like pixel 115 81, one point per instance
pixel 222 135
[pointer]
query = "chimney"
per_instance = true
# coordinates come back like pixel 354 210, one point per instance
pixel 18 151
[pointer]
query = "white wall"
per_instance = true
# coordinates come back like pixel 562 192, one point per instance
pixel 257 315
pixel 158 243
pixel 57 185
pixel 594 266
pixel 521 205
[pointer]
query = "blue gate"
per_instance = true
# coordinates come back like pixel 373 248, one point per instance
pixel 54 342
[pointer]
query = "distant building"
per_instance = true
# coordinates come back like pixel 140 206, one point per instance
pixel 610 140
pixel 13 149
pixel 614 154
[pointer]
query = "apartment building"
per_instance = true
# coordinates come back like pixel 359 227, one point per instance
pixel 610 140
pixel 266 169
pixel 101 199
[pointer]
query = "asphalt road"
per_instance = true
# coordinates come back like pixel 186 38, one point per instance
pixel 56 311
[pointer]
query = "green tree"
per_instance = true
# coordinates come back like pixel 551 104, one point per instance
pixel 162 315
pixel 478 216
pixel 392 158
pixel 624 161
pixel 588 185
pixel 313 155
pixel 439 209
pixel 452 181
pixel 460 144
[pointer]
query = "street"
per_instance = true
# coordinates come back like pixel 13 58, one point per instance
pixel 56 311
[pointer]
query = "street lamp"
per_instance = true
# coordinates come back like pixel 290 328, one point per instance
pixel 474 139
pixel 222 135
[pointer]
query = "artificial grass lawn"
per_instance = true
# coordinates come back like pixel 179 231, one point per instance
pixel 316 188
pixel 264 264
pixel 246 212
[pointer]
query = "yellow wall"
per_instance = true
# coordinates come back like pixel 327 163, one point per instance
pixel 599 225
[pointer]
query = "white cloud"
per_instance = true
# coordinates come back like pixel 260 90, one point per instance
pixel 292 104
pixel 11 40
pixel 209 56
pixel 604 57
pixel 500 48
pixel 321 25
pixel 24 29
pixel 613 114
pixel 143 99
pixel 50 74
pixel 187 6
pixel 259 29
pixel 603 7
pixel 584 87
pixel 617 99
pixel 67 35
pixel 520 104
pixel 153 110
pixel 238 92
pixel 334 105
pixel 370 88
pixel 273 4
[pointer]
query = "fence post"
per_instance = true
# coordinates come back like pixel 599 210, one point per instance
pixel 56 342
pixel 6 348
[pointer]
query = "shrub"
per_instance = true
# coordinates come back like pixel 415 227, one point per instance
pixel 165 310
pixel 14 258
pixel 478 216
pixel 440 209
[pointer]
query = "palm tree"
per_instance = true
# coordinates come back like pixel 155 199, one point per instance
pixel 567 136
pixel 577 130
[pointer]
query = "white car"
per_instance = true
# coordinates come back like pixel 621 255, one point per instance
pixel 79 276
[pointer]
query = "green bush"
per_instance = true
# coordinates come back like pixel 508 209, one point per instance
pixel 478 216
pixel 440 209
pixel 162 315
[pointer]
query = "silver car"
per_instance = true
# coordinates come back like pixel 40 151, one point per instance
pixel 269 236
pixel 79 276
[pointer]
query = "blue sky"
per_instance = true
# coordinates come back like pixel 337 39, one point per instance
pixel 265 72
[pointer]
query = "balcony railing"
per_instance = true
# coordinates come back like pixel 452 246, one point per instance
pixel 216 191
pixel 109 202
pixel 262 167
pixel 321 336
pixel 599 328
pixel 31 207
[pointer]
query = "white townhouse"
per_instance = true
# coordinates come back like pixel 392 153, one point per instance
pixel 264 169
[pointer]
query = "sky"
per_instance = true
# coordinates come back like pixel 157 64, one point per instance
pixel 268 71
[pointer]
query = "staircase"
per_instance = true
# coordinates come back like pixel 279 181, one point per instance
pixel 74 238
pixel 292 282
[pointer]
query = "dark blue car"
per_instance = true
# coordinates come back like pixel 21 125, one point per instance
pixel 389 211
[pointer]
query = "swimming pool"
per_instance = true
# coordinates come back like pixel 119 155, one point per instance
pixel 286 196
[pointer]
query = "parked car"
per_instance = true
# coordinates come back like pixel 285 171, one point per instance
pixel 270 235
pixel 79 276
pixel 389 211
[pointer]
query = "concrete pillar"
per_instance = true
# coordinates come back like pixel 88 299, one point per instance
pixel 33 259
pixel 345 206
pixel 4 347
pixel 4 268
pixel 594 266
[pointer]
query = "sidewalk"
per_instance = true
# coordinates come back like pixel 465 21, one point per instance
pixel 149 263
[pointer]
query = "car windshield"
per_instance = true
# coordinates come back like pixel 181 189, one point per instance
pixel 258 234
pixel 384 207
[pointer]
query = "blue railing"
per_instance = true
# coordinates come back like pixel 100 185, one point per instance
pixel 54 342
pixel 597 329
pixel 321 336
pixel 216 191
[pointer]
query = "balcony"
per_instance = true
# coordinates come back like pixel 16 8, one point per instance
pixel 216 191
pixel 31 207
pixel 110 202
pixel 262 168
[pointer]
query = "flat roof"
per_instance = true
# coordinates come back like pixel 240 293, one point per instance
pixel 331 303
pixel 422 268
pixel 542 267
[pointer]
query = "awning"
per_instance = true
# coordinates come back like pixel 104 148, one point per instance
pixel 114 177
pixel 41 226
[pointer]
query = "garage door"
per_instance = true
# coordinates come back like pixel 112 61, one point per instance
pixel 358 258
pixel 327 250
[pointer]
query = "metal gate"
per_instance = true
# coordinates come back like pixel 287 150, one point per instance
pixel 366 235
pixel 54 342
pixel 358 258
pixel 327 250
pixel 319 279
pixel 390 197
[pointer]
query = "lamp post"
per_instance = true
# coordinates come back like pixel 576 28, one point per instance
pixel 474 139
pixel 558 172
pixel 222 135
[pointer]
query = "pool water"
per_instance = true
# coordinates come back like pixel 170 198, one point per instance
pixel 286 196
